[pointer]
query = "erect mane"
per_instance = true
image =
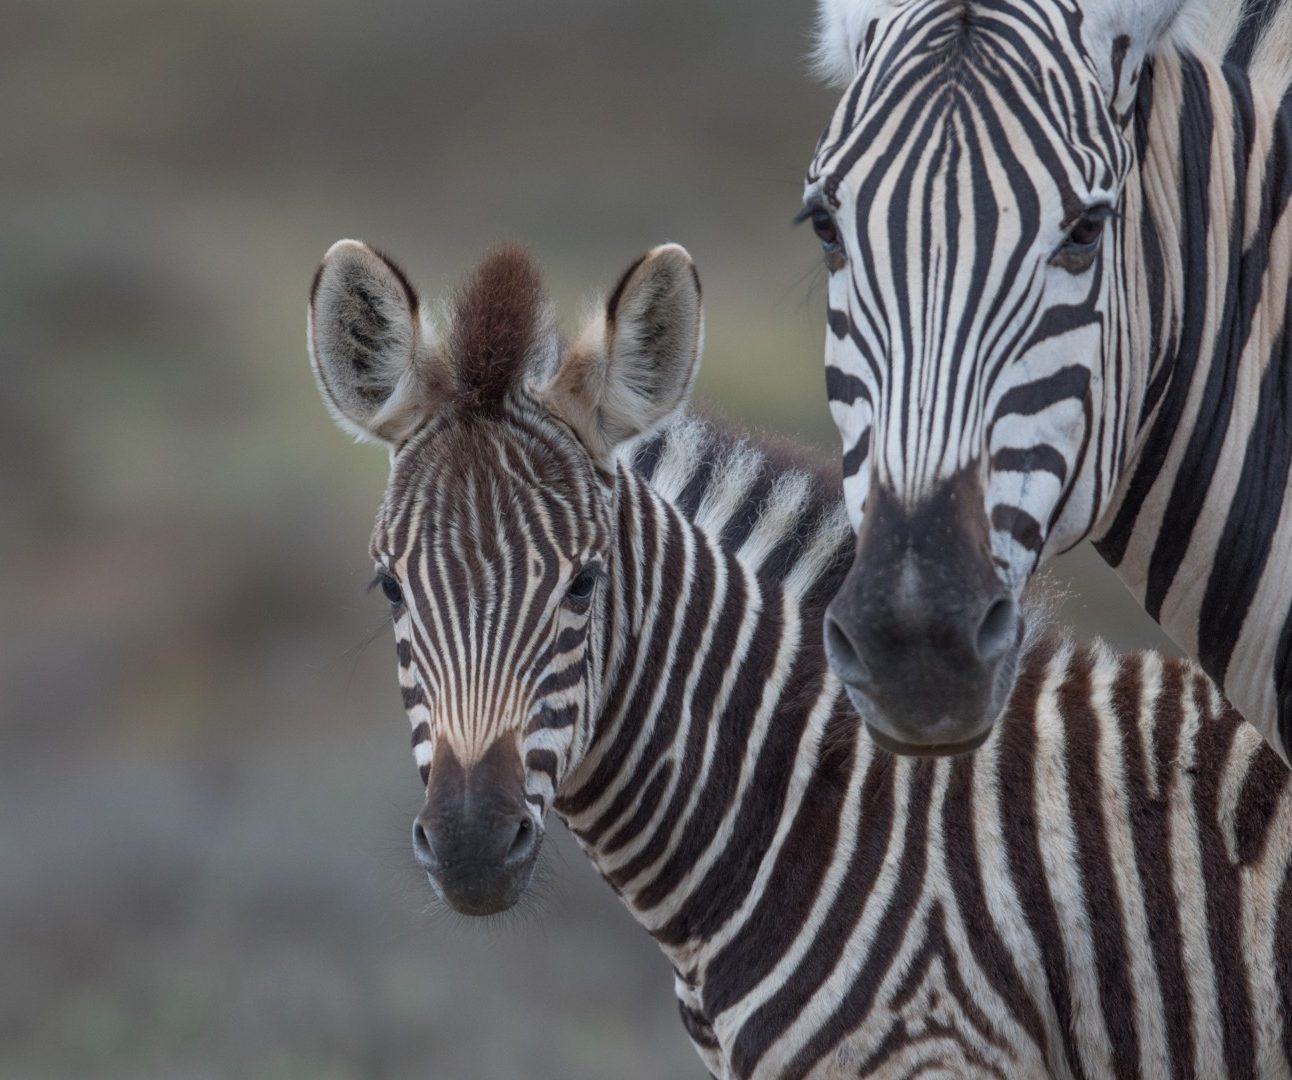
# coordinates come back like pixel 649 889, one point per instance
pixel 500 323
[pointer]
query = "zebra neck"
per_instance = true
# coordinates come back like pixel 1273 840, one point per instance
pixel 717 686
pixel 1198 528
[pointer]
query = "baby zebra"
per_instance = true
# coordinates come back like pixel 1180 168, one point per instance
pixel 610 611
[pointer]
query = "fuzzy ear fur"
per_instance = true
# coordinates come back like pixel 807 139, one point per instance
pixel 1119 34
pixel 840 30
pixel 635 364
pixel 369 348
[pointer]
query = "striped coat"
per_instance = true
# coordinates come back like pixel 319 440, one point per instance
pixel 1102 890
pixel 1060 243
pixel 624 628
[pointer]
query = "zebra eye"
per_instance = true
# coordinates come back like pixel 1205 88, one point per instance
pixel 391 588
pixel 823 224
pixel 1088 230
pixel 827 233
pixel 582 585
pixel 1077 252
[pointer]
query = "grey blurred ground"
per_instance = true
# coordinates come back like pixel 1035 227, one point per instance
pixel 204 777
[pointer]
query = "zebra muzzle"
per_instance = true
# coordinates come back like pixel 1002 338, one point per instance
pixel 475 837
pixel 923 633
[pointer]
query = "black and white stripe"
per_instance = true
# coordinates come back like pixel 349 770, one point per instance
pixel 1061 254
pixel 1103 889
pixel 479 555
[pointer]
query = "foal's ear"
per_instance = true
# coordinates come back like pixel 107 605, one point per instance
pixel 370 351
pixel 634 364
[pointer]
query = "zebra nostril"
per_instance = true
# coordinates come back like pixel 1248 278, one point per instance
pixel 843 655
pixel 522 845
pixel 996 631
pixel 422 847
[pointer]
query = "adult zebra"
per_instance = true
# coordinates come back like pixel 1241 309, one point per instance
pixel 1059 249
pixel 631 639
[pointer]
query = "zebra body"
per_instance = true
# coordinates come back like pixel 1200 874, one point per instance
pixel 1101 890
pixel 1062 257
pixel 1046 906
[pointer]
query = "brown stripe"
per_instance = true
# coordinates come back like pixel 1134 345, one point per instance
pixel 794 884
pixel 992 954
pixel 1150 825
pixel 1220 881
pixel 1283 960
pixel 691 756
pixel 1095 861
pixel 1258 804
pixel 719 791
pixel 675 671
pixel 611 766
pixel 616 294
pixel 697 1027
pixel 937 948
pixel 890 934
pixel 771 1019
pixel 642 816
pixel 900 1037
pixel 731 876
pixel 1016 788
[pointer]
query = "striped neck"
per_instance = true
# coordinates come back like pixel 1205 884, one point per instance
pixel 1198 517
pixel 715 685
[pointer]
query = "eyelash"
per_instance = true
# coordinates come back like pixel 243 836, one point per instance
pixel 389 587
pixel 1076 253
pixel 823 224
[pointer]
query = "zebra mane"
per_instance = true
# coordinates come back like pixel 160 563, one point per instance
pixel 775 506
pixel 732 482
pixel 1039 608
pixel 502 329
pixel 696 457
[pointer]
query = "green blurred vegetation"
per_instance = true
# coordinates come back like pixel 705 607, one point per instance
pixel 204 778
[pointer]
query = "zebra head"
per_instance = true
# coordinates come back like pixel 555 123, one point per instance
pixel 494 542
pixel 968 193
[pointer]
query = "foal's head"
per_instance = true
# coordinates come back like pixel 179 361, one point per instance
pixel 494 542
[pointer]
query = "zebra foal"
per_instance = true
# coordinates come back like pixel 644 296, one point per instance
pixel 610 610
pixel 1060 249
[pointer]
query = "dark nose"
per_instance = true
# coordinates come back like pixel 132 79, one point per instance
pixel 506 838
pixel 983 636
pixel 923 633
pixel 475 837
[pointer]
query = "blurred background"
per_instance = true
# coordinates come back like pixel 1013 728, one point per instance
pixel 205 783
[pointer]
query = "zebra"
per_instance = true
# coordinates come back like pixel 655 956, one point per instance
pixel 1058 254
pixel 609 608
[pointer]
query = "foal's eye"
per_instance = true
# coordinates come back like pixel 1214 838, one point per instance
pixel 391 588
pixel 582 584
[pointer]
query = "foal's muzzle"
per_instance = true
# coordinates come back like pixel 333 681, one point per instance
pixel 475 837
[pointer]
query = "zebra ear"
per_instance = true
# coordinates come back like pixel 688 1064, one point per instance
pixel 841 27
pixel 368 347
pixel 1119 34
pixel 635 363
